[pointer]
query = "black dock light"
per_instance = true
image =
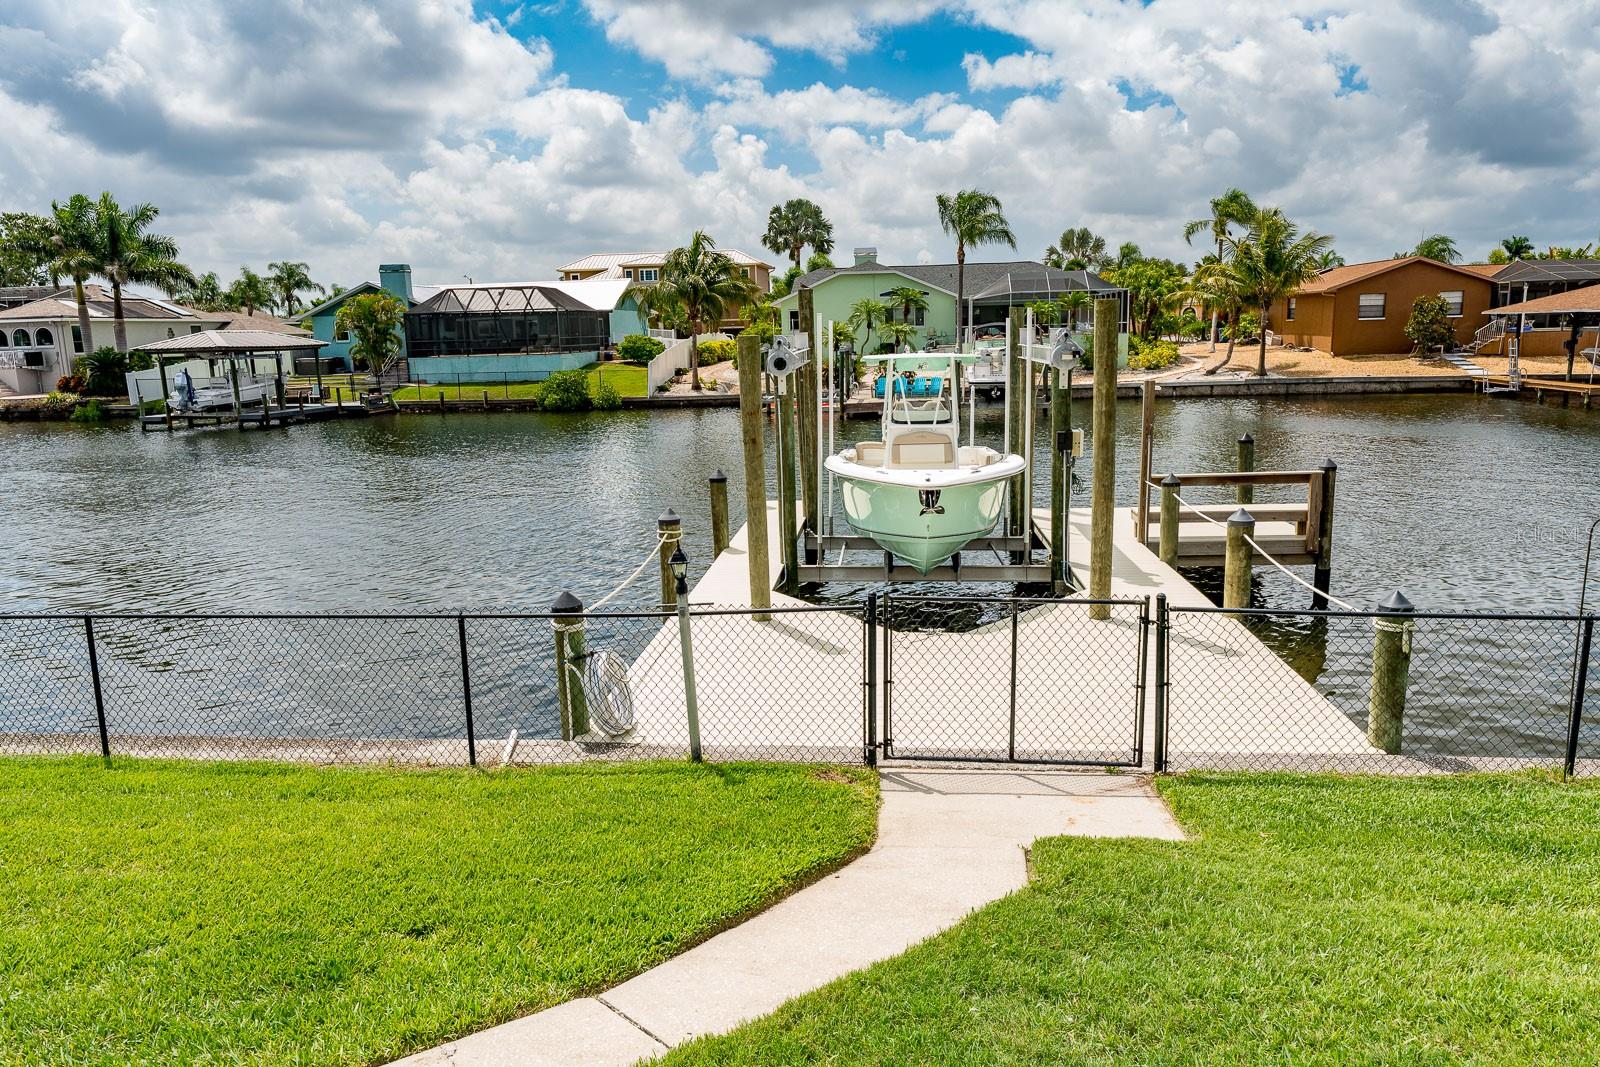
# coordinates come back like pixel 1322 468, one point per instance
pixel 680 570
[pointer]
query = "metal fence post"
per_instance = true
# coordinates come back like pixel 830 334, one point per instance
pixel 99 694
pixel 1163 637
pixel 1011 730
pixel 466 691
pixel 1575 721
pixel 869 749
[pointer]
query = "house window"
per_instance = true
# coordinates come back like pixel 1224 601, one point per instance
pixel 77 339
pixel 794 321
pixel 19 338
pixel 42 338
pixel 195 327
pixel 170 333
pixel 747 272
pixel 4 340
pixel 649 274
pixel 1453 299
pixel 628 273
pixel 341 335
pixel 1288 314
pixel 1370 306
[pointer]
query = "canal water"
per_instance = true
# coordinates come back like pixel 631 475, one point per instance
pixel 1465 503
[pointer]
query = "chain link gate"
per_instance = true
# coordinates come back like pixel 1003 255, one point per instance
pixel 1011 680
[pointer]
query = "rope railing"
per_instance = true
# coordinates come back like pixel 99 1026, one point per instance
pixel 1346 605
pixel 668 537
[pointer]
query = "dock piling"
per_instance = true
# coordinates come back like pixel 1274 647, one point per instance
pixel 1237 560
pixel 1169 520
pixel 755 475
pixel 719 513
pixel 1322 573
pixel 1060 475
pixel 1019 382
pixel 669 532
pixel 783 412
pixel 571 700
pixel 1391 673
pixel 805 396
pixel 1246 463
pixel 1103 499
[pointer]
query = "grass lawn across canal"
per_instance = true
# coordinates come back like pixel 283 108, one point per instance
pixel 1307 920
pixel 625 378
pixel 250 913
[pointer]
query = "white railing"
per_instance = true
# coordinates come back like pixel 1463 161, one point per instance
pixel 668 336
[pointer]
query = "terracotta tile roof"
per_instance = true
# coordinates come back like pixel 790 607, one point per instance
pixel 1339 277
pixel 1486 270
pixel 1586 299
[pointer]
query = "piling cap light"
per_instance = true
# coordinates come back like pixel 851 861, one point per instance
pixel 679 564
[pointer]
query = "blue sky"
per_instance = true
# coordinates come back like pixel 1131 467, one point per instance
pixel 501 139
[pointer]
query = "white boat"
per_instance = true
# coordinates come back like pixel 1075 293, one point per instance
pixel 215 393
pixel 918 491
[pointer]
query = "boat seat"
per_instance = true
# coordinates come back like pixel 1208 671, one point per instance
pixel 869 453
pixel 921 448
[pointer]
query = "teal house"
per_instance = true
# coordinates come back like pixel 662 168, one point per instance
pixel 393 278
pixel 992 289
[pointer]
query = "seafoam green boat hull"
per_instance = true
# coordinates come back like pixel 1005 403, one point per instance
pixel 924 537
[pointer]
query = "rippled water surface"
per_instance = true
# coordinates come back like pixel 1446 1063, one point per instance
pixel 1463 502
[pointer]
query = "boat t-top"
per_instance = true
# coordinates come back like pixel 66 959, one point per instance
pixel 917 490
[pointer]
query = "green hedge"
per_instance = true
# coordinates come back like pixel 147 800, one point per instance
pixel 717 352
pixel 638 348
pixel 1151 355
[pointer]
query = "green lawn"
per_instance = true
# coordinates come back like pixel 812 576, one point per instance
pixel 1309 920
pixel 184 913
pixel 625 378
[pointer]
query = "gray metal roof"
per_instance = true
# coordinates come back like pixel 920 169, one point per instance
pixel 980 277
pixel 226 341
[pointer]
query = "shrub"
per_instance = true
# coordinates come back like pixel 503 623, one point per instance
pixel 638 348
pixel 70 383
pixel 1429 325
pixel 141 361
pixel 102 372
pixel 717 351
pixel 1247 329
pixel 61 402
pixel 1151 355
pixel 565 390
pixel 1192 328
pixel 603 396
pixel 89 411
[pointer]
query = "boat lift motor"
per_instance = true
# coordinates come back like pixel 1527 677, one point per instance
pixel 1065 353
pixel 782 360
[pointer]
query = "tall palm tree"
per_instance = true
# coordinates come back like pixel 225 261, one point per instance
pixel 1073 305
pixel 866 315
pixel 288 280
pixel 1270 262
pixel 795 224
pixel 1517 246
pixel 703 284
pixel 373 320
pixel 1232 208
pixel 1437 246
pixel 129 254
pixel 973 218
pixel 75 252
pixel 1077 249
pixel 907 298
pixel 1214 286
pixel 249 292
pixel 205 294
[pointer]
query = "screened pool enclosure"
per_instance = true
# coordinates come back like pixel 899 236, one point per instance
pixel 487 320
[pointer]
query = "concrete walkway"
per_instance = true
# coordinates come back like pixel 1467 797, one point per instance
pixel 949 842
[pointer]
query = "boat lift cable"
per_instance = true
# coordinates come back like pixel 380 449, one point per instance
pixel 1346 605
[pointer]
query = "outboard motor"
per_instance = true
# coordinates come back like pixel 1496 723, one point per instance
pixel 182 390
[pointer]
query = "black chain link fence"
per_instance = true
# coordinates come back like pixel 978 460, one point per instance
pixel 904 677
pixel 1415 693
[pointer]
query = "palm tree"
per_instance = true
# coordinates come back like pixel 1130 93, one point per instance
pixel 703 284
pixel 1213 285
pixel 1270 262
pixel 74 252
pixel 973 218
pixel 373 320
pixel 907 298
pixel 1437 246
pixel 1329 260
pixel 1232 208
pixel 867 314
pixel 288 280
pixel 1128 254
pixel 1517 247
pixel 793 225
pixel 250 292
pixel 902 334
pixel 1077 249
pixel 205 294
pixel 129 254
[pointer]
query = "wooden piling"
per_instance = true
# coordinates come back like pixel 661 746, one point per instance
pixel 719 513
pixel 1018 386
pixel 166 397
pixel 669 531
pixel 1147 420
pixel 1060 471
pixel 1168 549
pixel 238 405
pixel 755 474
pixel 1322 573
pixel 1103 499
pixel 571 648
pixel 783 400
pixel 805 396
pixel 1237 559
pixel 1246 494
pixel 1391 674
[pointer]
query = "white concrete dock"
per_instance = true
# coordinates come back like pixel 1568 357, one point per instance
pixel 792 686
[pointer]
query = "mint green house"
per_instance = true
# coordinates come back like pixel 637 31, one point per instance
pixel 393 278
pixel 991 290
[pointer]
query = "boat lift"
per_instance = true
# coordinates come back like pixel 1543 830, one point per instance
pixel 819 554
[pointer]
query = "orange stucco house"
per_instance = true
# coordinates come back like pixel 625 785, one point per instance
pixel 1361 309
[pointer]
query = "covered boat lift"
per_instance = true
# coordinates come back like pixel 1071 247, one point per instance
pixel 232 347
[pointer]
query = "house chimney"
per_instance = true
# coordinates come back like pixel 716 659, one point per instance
pixel 395 278
pixel 866 257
